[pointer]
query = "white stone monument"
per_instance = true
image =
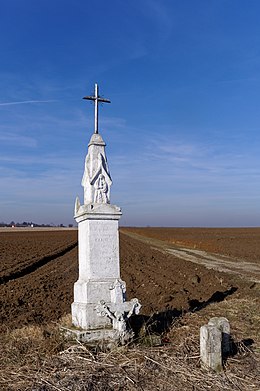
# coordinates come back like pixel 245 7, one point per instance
pixel 100 309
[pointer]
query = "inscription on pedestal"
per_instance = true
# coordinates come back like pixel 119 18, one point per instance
pixel 104 249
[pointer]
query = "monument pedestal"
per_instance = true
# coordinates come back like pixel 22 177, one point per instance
pixel 98 263
pixel 100 310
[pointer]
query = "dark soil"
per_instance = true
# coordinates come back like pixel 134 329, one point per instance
pixel 243 243
pixel 21 250
pixel 42 293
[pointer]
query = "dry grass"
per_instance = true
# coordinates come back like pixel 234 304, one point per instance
pixel 36 358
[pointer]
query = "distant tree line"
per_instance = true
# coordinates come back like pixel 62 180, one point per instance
pixel 31 224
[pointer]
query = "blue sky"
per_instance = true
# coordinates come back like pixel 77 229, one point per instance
pixel 182 131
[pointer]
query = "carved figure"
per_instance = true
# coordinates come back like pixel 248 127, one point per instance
pixel 118 291
pixel 96 179
pixel 119 310
pixel 101 189
pixel 119 313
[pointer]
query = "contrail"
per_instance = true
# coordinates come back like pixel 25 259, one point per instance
pixel 25 102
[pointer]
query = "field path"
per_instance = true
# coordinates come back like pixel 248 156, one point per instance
pixel 219 262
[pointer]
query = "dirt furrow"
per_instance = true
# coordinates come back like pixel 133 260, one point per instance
pixel 36 265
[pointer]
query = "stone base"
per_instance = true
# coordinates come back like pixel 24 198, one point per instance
pixel 107 338
pixel 85 317
pixel 98 263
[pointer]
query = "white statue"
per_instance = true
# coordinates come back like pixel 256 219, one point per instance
pixel 96 179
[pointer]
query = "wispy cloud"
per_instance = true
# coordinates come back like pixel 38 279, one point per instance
pixel 113 122
pixel 26 102
pixel 16 139
pixel 161 17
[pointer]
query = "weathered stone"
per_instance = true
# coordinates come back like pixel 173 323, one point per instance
pixel 223 325
pixel 195 279
pixel 210 347
pixel 92 337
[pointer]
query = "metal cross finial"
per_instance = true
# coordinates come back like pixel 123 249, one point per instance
pixel 96 99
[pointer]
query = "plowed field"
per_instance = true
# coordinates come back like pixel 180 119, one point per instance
pixel 23 251
pixel 243 243
pixel 39 268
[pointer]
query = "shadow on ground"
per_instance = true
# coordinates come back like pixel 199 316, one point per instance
pixel 160 323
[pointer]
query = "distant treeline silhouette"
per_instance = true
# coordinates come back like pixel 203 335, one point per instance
pixel 31 224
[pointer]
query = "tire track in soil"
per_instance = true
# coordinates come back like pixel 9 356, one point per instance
pixel 36 265
pixel 219 262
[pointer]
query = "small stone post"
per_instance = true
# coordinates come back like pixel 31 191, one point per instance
pixel 223 325
pixel 210 347
pixel 215 343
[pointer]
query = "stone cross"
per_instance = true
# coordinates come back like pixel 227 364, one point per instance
pixel 97 99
